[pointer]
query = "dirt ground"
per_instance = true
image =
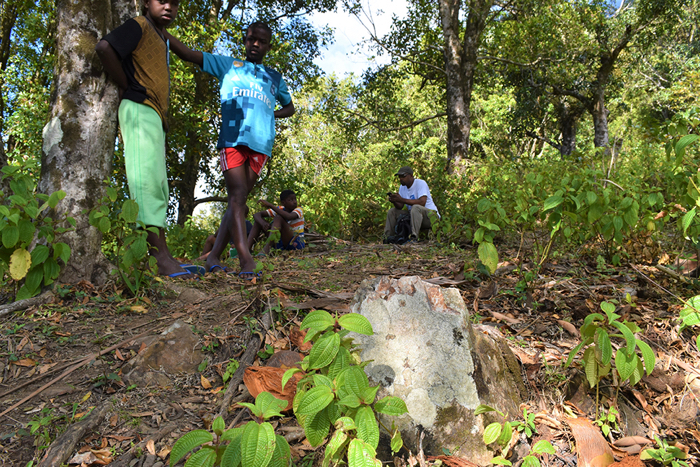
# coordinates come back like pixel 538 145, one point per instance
pixel 50 378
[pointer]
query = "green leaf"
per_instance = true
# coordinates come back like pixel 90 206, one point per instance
pixel 232 454
pixel 488 255
pixel 351 400
pixel 205 457
pixel 232 434
pixel 188 442
pixel 595 212
pixel 33 279
pixel 627 334
pixel 257 444
pixel 40 253
pixel 543 447
pixel 572 354
pixel 318 320
pixel 61 250
pixel 683 143
pixel 55 197
pixel 288 375
pixel 104 224
pixel 482 408
pixel 130 212
pixel 625 363
pixel 530 461
pixel 369 394
pixel 367 426
pixel 637 372
pixel 26 231
pixel 607 307
pixel 315 400
pixel 500 460
pixel 10 236
pixel 604 345
pixel 361 454
pixel 317 427
pixel 394 406
pixel 269 405
pixel 324 350
pixel 552 202
pixel 352 380
pixel 218 425
pixel 334 447
pixel 51 271
pixel 506 435
pixel 647 355
pixel 591 367
pixel 396 442
pixel 340 362
pixel 492 432
pixel 322 380
pixel 20 262
pixel 591 197
pixel 356 323
pixel 282 455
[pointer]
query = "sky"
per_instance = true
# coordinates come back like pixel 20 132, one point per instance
pixel 347 54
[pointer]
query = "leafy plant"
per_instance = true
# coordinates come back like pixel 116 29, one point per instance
pixel 690 316
pixel 665 454
pixel 231 368
pixel 527 425
pixel 128 247
pixel 253 445
pixel 25 225
pixel 336 393
pixel 608 421
pixel 598 353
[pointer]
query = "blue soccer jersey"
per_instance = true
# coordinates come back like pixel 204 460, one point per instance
pixel 248 94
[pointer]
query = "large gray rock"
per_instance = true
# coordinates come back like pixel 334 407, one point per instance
pixel 425 351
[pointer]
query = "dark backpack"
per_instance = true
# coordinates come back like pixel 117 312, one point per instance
pixel 403 228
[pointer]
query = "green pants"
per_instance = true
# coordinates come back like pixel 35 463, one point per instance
pixel 144 157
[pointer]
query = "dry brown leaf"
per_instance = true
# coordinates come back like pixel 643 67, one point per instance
pixel 83 458
pixel 151 447
pixel 117 437
pixel 141 414
pixel 570 328
pixel 164 452
pixel 507 319
pixel 138 309
pixel 44 368
pixel 22 343
pixel 205 382
pixel 119 355
pixel 264 378
pixel 592 450
pixel 630 440
pixel 104 456
pixel 453 461
pixel 296 337
pixel 26 362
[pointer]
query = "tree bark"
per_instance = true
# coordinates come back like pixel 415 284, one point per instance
pixel 568 116
pixel 460 67
pixel 79 138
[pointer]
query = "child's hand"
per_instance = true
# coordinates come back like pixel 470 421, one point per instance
pixel 266 203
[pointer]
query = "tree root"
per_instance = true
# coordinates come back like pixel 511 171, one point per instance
pixel 45 297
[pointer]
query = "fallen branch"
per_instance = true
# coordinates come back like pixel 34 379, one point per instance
pixel 63 446
pixel 246 360
pixel 70 370
pixel 126 458
pixel 45 297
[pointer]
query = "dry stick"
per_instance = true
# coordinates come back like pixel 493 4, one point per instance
pixel 26 303
pixel 63 446
pixel 125 459
pixel 70 370
pixel 246 360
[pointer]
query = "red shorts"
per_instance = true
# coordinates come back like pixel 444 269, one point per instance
pixel 230 158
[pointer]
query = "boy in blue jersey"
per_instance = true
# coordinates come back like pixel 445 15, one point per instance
pixel 249 92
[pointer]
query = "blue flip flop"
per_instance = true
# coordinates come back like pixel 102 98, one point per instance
pixel 194 269
pixel 249 275
pixel 180 274
pixel 223 268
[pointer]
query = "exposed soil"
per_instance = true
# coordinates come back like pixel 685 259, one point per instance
pixel 540 318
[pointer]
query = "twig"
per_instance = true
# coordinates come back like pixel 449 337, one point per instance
pixel 63 446
pixel 26 303
pixel 70 370
pixel 246 360
pixel 126 458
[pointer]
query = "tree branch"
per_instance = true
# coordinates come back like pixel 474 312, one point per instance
pixel 376 124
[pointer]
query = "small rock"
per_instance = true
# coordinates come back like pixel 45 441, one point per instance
pixel 150 460
pixel 158 464
pixel 134 462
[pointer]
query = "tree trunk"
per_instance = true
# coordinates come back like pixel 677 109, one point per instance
pixel 568 116
pixel 79 138
pixel 460 66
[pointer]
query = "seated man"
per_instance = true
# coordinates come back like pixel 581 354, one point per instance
pixel 287 218
pixel 415 194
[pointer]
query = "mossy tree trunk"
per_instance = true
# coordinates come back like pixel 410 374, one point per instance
pixel 79 138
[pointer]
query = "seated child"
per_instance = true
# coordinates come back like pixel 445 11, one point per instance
pixel 211 239
pixel 287 218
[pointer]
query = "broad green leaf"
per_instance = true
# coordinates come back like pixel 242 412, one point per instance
pixel 205 457
pixel 530 461
pixel 33 279
pixel 552 202
pixel 595 212
pixel 318 320
pixel 483 408
pixel 315 400
pixel 367 426
pixel 61 250
pixel 618 223
pixel 269 405
pixel 317 427
pixel 188 442
pixel 687 219
pixel 51 271
pixel 20 262
pixel 322 380
pixel 40 253
pixel 340 362
pixel 500 460
pixel 391 405
pixel 625 363
pixel 324 350
pixel 232 454
pixel 10 236
pixel 590 367
pixel 369 394
pixel 257 444
pixel 488 255
pixel 288 375
pixel 104 224
pixel 396 442
pixel 647 355
pixel 23 293
pixel 607 307
pixel 361 454
pixel 255 410
pixel 492 432
pixel 130 212
pixel 351 400
pixel 232 434
pixel 683 143
pixel 55 197
pixel 506 435
pixel 572 354
pixel 543 447
pixel 604 346
pixel 333 447
pixel 627 334
pixel 282 455
pixel 356 323
pixel 591 197
pixel 26 231
pixel 352 380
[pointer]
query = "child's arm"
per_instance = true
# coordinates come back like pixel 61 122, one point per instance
pixel 112 64
pixel 184 52
pixel 288 216
pixel 286 111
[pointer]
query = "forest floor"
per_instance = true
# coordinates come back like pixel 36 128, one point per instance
pixel 539 317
